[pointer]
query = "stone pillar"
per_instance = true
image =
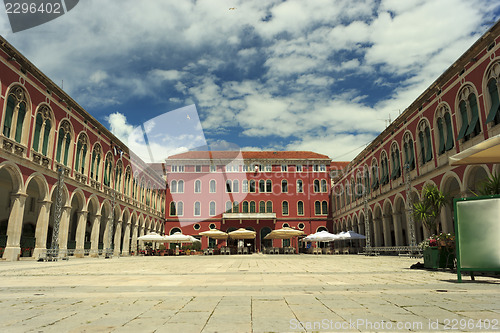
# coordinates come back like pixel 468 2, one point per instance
pixel 387 230
pixel 376 231
pixel 126 239
pixel 64 230
pixel 81 226
pixel 398 230
pixel 445 222
pixel 15 227
pixel 42 227
pixel 134 239
pixel 106 236
pixel 118 237
pixel 94 235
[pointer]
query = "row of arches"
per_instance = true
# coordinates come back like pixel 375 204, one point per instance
pixel 57 140
pixel 389 220
pixel 88 224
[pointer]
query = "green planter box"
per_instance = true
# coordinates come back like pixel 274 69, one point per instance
pixel 431 257
pixel 438 257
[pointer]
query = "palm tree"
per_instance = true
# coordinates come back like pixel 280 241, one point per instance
pixel 428 209
pixel 490 186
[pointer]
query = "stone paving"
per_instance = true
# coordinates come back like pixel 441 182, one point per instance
pixel 252 293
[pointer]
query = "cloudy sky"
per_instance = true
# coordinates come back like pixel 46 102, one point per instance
pixel 319 75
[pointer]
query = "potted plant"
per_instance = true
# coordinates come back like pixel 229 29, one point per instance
pixel 436 251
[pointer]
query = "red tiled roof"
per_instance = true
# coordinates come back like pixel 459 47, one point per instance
pixel 290 155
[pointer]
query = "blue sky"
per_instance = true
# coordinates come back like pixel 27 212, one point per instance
pixel 315 75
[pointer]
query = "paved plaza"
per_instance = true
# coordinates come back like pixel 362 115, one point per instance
pixel 253 293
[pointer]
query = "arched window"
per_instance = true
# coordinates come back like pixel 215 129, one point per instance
pixel 300 208
pixel 269 206
pixel 444 129
pixel 493 88
pixel 180 208
pixel 252 207
pixel 96 162
pixel 229 184
pixel 284 186
pixel 409 152
pixel 81 153
pixel 126 184
pixel 197 208
pixel 212 208
pixel 173 211
pixel 262 186
pixel 212 186
pixel 262 207
pixel 229 206
pixel 43 126
pixel 316 186
pixel 108 167
pixel 236 207
pixel 63 142
pixel 284 207
pixel 197 186
pixel 180 186
pixel 245 207
pixel 396 162
pixel 366 180
pixel 252 186
pixel 118 175
pixel 317 208
pixel 173 186
pixel 468 110
pixel 353 189
pixel 236 186
pixel 324 207
pixel 424 136
pixel 269 186
pixel 324 187
pixel 300 185
pixel 375 179
pixel 385 169
pixel 15 113
pixel 244 186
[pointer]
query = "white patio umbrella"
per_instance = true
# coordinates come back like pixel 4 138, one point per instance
pixel 242 234
pixel 152 237
pixel 180 238
pixel 215 234
pixel 321 236
pixel 284 233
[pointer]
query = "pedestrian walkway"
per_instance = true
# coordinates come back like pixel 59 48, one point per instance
pixel 257 293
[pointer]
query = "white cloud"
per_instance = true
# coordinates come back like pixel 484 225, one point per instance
pixel 268 68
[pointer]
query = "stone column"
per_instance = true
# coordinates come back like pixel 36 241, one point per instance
pixel 14 228
pixel 443 216
pixel 126 239
pixel 63 230
pixel 134 239
pixel 376 231
pixel 118 237
pixel 398 230
pixel 387 230
pixel 94 235
pixel 106 238
pixel 80 233
pixel 42 227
